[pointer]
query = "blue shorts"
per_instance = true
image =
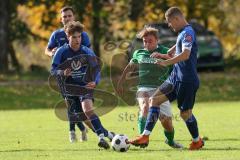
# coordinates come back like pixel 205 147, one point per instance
pixel 183 92
pixel 75 111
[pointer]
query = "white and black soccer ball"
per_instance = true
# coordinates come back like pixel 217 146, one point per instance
pixel 119 143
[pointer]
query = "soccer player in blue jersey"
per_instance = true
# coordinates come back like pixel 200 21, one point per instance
pixel 183 82
pixel 58 39
pixel 76 75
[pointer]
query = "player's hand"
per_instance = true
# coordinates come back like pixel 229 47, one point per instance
pixel 67 72
pixel 53 51
pixel 162 63
pixel 171 53
pixel 91 85
pixel 156 55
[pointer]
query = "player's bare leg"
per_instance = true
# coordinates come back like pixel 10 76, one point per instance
pixel 143 140
pixel 87 105
pixel 143 102
pixel 169 132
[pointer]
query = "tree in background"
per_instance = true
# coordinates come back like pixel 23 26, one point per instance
pixel 90 12
pixel 108 20
pixel 11 29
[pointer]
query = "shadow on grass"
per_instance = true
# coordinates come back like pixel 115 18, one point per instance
pixel 185 149
pixel 50 150
pixel 213 140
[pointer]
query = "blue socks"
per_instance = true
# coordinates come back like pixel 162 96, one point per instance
pixel 152 118
pixel 96 123
pixel 192 126
pixel 105 132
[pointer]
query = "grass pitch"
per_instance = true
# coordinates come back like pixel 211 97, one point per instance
pixel 39 135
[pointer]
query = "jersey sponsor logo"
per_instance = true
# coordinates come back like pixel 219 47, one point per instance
pixel 62 39
pixel 76 65
pixel 148 60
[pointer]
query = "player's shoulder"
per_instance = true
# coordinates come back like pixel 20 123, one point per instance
pixel 62 49
pixel 189 30
pixel 58 31
pixel 87 50
pixel 139 51
pixel 84 34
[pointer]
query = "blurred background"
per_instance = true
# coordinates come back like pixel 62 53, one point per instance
pixel 26 25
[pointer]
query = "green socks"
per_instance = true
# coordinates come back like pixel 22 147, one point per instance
pixel 141 124
pixel 169 136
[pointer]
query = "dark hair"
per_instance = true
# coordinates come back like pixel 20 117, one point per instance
pixel 148 31
pixel 73 27
pixel 66 8
pixel 173 11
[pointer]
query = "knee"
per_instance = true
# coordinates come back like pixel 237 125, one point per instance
pixel 89 114
pixel 186 115
pixel 152 101
pixel 157 100
pixel 165 119
pixel 144 110
pixel 166 123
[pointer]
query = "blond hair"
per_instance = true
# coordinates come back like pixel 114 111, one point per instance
pixel 172 12
pixel 148 31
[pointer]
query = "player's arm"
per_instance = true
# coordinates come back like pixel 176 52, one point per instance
pixel 127 70
pixel 186 50
pixel 50 52
pixel 57 60
pixel 171 51
pixel 163 54
pixel 51 46
pixel 95 68
pixel 160 55
pixel 181 57
pixel 170 54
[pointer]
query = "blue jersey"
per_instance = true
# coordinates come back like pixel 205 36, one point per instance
pixel 186 71
pixel 83 63
pixel 59 38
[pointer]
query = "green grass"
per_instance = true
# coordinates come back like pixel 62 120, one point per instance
pixel 39 135
pixel 38 75
pixel 214 87
pixel 27 96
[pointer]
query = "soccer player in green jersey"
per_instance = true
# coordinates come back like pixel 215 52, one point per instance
pixel 150 77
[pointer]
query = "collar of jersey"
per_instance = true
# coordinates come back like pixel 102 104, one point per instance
pixel 155 50
pixel 184 28
pixel 73 50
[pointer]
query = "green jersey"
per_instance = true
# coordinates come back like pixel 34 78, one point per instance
pixel 150 74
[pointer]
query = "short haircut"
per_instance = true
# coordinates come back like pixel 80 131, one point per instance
pixel 73 27
pixel 148 31
pixel 66 8
pixel 172 12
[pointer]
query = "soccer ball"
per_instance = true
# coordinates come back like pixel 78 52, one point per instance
pixel 119 143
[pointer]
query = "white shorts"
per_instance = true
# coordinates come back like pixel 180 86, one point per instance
pixel 165 108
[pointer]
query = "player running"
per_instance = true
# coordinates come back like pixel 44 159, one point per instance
pixel 183 82
pixel 78 65
pixel 150 77
pixel 58 39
